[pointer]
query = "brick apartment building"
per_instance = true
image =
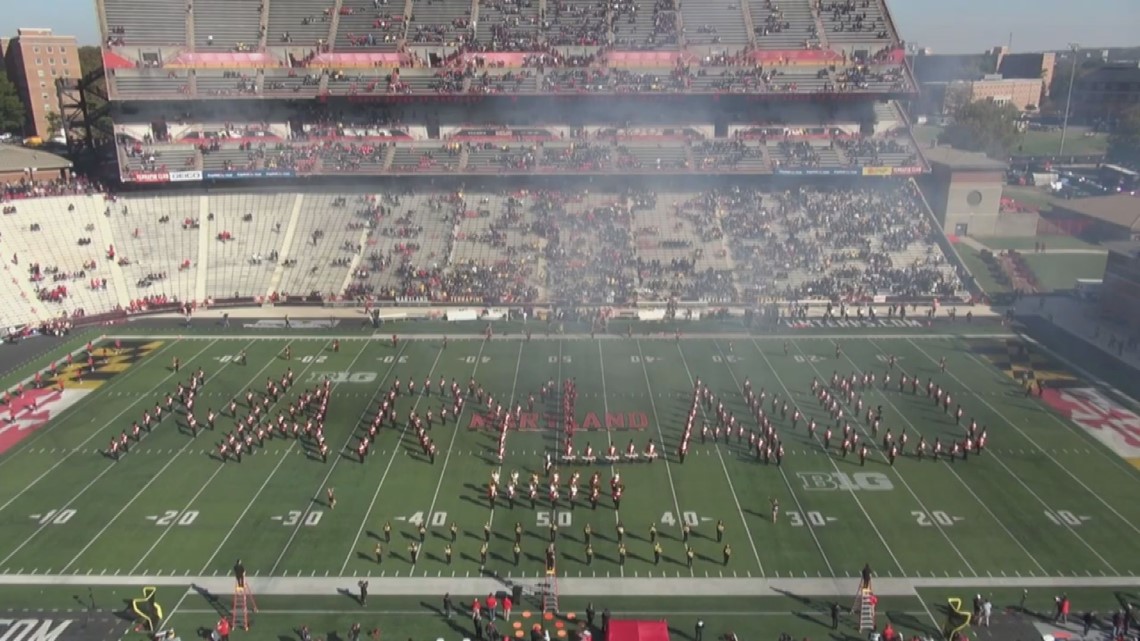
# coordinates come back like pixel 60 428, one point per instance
pixel 35 59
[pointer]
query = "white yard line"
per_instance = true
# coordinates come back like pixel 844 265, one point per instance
pixel 855 497
pixel 856 424
pixel 902 415
pixel 79 408
pixel 1017 478
pixel 609 434
pixel 142 490
pixel 145 396
pixel 664 448
pixel 451 445
pixel 202 488
pixel 1121 397
pixel 522 336
pixel 1038 447
pixel 396 449
pixel 723 466
pixel 332 468
pixel 783 474
pixel 510 406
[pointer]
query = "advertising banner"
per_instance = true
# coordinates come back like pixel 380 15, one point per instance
pixel 240 174
pixel 150 177
pixel 185 176
pixel 907 171
pixel 876 171
pixel 817 171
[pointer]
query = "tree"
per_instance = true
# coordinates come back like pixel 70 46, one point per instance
pixel 11 109
pixel 1124 143
pixel 54 123
pixel 983 126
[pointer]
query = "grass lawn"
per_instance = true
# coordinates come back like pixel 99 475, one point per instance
pixel 981 271
pixel 1077 143
pixel 1060 271
pixel 1046 500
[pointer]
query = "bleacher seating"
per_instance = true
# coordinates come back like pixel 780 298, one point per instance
pixel 784 25
pixel 370 25
pixel 440 23
pixel 227 25
pixel 508 25
pixel 715 24
pixel 299 22
pixel 156 243
pixel 577 23
pixel 733 243
pixel 246 232
pixel 150 82
pixel 138 23
pixel 849 23
pixel 326 239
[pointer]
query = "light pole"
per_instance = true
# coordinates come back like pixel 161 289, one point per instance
pixel 1069 100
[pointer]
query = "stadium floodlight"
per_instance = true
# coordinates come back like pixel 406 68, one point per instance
pixel 1074 48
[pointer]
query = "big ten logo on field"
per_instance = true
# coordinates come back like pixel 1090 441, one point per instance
pixel 336 378
pixel 592 421
pixel 840 481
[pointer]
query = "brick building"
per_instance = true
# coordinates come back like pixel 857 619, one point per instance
pixel 35 59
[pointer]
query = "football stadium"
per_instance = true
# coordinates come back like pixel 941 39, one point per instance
pixel 546 319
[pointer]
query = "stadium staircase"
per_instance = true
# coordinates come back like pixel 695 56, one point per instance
pixel 334 24
pixel 820 29
pixel 190 30
pixel 263 23
pixel 362 242
pixel 865 606
pixel 286 246
pixel 117 279
pixel 243 600
pixel 203 265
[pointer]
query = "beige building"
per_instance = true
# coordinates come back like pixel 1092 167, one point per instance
pixel 35 59
pixel 1022 93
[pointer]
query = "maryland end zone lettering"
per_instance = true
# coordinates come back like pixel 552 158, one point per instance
pixel 36 407
pixel 839 481
pixel 592 421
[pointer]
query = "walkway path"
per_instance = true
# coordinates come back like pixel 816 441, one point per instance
pixel 674 587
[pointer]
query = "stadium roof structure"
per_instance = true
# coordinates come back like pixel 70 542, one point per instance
pixel 1121 210
pixel 14 158
pixel 957 159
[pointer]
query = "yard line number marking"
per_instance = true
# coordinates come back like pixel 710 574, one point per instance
pixel 175 517
pixel 435 519
pixel 1065 518
pixel 935 517
pixel 811 519
pixel 561 519
pixel 54 517
pixel 690 519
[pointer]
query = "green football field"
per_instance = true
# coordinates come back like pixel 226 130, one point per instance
pixel 1045 500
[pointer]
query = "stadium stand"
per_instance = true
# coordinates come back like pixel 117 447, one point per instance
pixel 228 25
pixel 722 245
pixel 142 23
pixel 702 173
